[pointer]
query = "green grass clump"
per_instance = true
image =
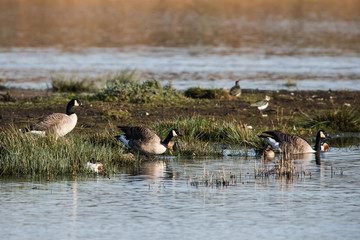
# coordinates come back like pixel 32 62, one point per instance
pixel 27 154
pixel 71 84
pixel 340 119
pixel 197 129
pixel 198 92
pixel 125 87
pixel 116 115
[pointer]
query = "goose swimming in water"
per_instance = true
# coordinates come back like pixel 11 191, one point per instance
pixel 288 143
pixel 145 140
pixel 59 124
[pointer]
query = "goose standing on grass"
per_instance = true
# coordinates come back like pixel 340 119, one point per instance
pixel 59 124
pixel 288 143
pixel 235 90
pixel 145 140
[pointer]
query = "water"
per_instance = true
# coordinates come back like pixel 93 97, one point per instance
pixel 184 67
pixel 157 201
pixel 205 43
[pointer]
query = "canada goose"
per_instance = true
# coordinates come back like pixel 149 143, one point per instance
pixel 288 143
pixel 58 123
pixel 262 105
pixel 145 140
pixel 235 90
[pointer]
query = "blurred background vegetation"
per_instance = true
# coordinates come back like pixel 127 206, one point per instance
pixel 235 23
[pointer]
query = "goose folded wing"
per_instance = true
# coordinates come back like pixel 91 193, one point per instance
pixel 51 122
pixel 140 133
pixel 277 135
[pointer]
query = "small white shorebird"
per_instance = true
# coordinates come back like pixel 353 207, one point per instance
pixel 59 124
pixel 262 105
pixel 145 140
pixel 94 165
pixel 235 90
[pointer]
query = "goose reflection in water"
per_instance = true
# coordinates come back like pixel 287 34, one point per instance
pixel 154 169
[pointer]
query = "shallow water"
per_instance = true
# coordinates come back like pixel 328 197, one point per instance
pixel 208 43
pixel 185 67
pixel 158 201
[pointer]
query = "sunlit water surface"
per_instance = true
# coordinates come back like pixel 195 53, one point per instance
pixel 159 202
pixel 219 67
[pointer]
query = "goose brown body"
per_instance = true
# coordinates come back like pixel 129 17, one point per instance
pixel 145 140
pixel 59 124
pixel 289 143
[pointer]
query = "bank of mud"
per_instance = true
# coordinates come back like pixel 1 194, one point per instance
pixel 286 108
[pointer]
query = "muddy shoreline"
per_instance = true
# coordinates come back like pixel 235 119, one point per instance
pixel 286 108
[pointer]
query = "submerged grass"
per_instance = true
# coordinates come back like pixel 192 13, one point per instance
pixel 283 168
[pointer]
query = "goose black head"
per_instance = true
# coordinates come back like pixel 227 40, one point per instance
pixel 77 102
pixel 72 103
pixel 322 134
pixel 175 132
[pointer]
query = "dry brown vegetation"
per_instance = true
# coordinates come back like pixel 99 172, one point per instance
pixel 110 23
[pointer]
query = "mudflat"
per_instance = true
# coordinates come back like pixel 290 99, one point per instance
pixel 285 107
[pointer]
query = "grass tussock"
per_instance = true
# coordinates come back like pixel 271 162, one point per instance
pixel 116 115
pixel 26 154
pixel 339 119
pixel 204 93
pixel 73 84
pixel 125 87
pixel 206 130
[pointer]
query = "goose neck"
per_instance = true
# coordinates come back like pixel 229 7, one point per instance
pixel 318 143
pixel 69 109
pixel 167 139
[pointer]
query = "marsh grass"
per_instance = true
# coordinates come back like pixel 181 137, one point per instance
pixel 26 154
pixel 73 84
pixel 218 179
pixel 116 114
pixel 206 131
pixel 205 93
pixel 284 168
pixel 337 119
pixel 281 122
pixel 124 86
